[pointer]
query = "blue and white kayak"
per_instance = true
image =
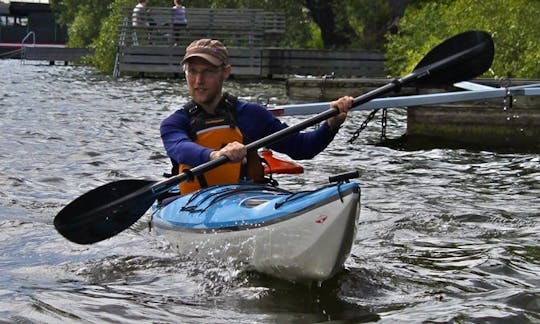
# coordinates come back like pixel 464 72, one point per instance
pixel 302 236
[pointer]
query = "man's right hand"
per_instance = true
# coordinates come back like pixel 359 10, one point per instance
pixel 235 152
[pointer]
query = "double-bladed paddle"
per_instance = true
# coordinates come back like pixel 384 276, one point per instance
pixel 109 209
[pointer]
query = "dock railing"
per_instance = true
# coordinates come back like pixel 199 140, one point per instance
pixel 31 35
pixel 149 41
pixel 154 26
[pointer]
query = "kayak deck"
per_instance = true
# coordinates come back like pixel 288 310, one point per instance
pixel 299 236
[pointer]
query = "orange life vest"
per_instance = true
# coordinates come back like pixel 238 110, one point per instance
pixel 216 131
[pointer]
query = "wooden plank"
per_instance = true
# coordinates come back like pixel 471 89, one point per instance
pixel 152 50
pixel 235 27
pixel 284 53
pixel 246 61
pixel 246 71
pixel 322 88
pixel 176 68
pixel 497 127
pixel 150 59
pixel 150 68
pixel 207 18
pixel 321 62
pixel 184 37
pixel 55 53
pixel 328 70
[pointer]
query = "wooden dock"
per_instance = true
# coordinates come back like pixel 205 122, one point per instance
pixel 252 37
pixel 329 87
pixel 510 123
pixel 54 53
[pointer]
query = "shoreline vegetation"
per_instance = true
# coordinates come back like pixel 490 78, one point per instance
pixel 403 29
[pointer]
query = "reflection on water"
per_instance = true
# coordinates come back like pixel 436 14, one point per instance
pixel 445 235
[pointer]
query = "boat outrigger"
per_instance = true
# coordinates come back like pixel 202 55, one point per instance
pixel 295 236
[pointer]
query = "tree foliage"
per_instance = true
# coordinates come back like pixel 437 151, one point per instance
pixel 347 24
pixel 513 25
pixel 105 43
pixel 83 18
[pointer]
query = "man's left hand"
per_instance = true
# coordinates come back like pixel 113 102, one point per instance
pixel 343 105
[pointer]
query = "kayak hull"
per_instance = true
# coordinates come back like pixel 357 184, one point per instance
pixel 297 237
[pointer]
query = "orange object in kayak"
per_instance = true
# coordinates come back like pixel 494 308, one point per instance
pixel 215 138
pixel 275 165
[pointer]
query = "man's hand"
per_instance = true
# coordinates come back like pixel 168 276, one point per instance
pixel 343 105
pixel 236 152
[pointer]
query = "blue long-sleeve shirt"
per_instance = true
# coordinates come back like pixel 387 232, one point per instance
pixel 255 122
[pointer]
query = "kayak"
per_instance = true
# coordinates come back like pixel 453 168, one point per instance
pixel 297 236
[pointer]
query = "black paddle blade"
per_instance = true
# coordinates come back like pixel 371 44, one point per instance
pixel 470 53
pixel 105 211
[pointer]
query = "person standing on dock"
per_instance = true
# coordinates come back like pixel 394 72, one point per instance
pixel 179 20
pixel 140 21
pixel 138 18
pixel 215 123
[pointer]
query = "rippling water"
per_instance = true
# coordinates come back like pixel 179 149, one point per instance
pixel 444 235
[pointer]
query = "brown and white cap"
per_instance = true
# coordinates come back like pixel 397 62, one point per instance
pixel 210 50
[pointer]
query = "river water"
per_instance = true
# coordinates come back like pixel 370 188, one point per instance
pixel 445 235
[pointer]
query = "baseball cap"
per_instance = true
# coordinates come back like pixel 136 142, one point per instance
pixel 210 50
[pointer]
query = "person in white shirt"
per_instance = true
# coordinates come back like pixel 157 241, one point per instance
pixel 179 20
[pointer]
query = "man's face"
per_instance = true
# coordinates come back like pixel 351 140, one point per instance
pixel 205 80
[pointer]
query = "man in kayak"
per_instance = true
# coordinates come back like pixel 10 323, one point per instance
pixel 215 123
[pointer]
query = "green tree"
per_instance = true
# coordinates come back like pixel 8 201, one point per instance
pixel 83 18
pixel 371 21
pixel 105 44
pixel 513 25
